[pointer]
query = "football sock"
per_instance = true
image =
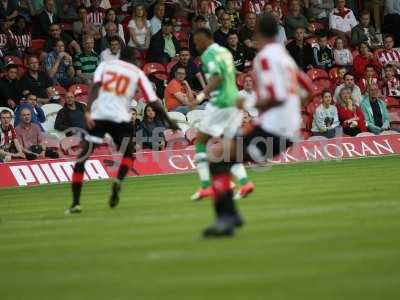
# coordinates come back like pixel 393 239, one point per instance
pixel 223 194
pixel 238 170
pixel 203 168
pixel 126 164
pixel 77 181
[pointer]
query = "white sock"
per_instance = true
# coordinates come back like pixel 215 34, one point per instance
pixel 239 171
pixel 203 169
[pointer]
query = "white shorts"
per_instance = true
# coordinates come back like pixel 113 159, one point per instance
pixel 220 121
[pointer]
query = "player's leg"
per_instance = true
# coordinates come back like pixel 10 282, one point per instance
pixel 122 135
pixel 245 186
pixel 77 177
pixel 202 166
pixel 227 217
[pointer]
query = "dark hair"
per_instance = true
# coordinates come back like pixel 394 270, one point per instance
pixel 364 12
pixel 5 111
pixel 81 7
pixel 267 25
pixel 219 8
pixel 369 66
pixel 388 36
pixel 348 74
pixel 55 24
pixel 56 41
pixel 326 91
pixel 184 49
pixel 115 38
pixel 128 54
pixel 29 94
pixel 232 32
pixel 362 43
pixel 161 115
pixel 323 34
pixel 105 21
pixel 179 67
pixel 206 32
pixel 388 66
pixel 199 18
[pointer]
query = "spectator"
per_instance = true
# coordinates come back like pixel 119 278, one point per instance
pixel 163 45
pixel 46 18
pixel 281 36
pixel 178 94
pixel 110 17
pixel 9 96
pixel 342 20
pixel 156 20
pixel 351 117
pixel 21 35
pixel 392 18
pixel 86 62
pixel 343 56
pixel 37 113
pixel 301 51
pixel 391 85
pixel 296 19
pixel 364 58
pixel 55 34
pixel 96 14
pixel 111 32
pixel 113 51
pixel 7 43
pixel 209 16
pixel 81 23
pixel 375 111
pixel 35 81
pixel 31 138
pixel 350 85
pixel 135 120
pixel 326 120
pixel 238 52
pixel 232 11
pixel 389 55
pixel 319 10
pixel 72 115
pixel 221 35
pixel 8 10
pixel 9 145
pixel 249 95
pixel 368 79
pixel 246 119
pixel 69 10
pixel 58 65
pixel 365 32
pixel 341 72
pixel 247 34
pixel 254 6
pixel 193 73
pixel 323 54
pixel 139 29
pixel 198 22
pixel 152 127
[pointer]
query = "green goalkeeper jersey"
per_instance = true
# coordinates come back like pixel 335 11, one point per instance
pixel 218 60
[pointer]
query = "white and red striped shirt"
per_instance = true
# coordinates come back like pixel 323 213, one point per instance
pixel 119 81
pixel 212 6
pixel 96 17
pixel 22 41
pixel 387 56
pixel 364 83
pixel 7 136
pixel 277 80
pixel 392 88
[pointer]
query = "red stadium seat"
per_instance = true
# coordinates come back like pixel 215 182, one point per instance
pixel 317 74
pixel 312 106
pixel 169 67
pixel 333 75
pixel 305 134
pixel 60 90
pixel 70 145
pixel 391 102
pixel 312 40
pixel 332 40
pixel 323 84
pixel 191 135
pixel 182 36
pixel 79 89
pixel 377 52
pixel 183 21
pixel 318 25
pixel 394 116
pixel 197 61
pixel 175 140
pixel 38 44
pixel 152 68
pixel 306 122
pixel 51 141
pixel 14 60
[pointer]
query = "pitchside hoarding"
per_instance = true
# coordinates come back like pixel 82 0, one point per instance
pixel 27 173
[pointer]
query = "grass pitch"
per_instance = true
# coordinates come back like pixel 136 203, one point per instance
pixel 328 230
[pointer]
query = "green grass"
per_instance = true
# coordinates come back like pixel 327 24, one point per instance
pixel 328 230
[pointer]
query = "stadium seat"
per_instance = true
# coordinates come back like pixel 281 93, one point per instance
pixel 306 122
pixel 312 106
pixel 182 36
pixel 394 110
pixel 183 126
pixel 151 68
pixel 15 60
pixel 389 132
pixel 51 141
pixel 79 89
pixel 323 84
pixel 51 109
pixel 60 90
pixel 177 116
pixel 169 67
pixel 305 134
pixel 362 134
pixel 70 144
pixel 191 135
pixel 38 44
pixel 332 40
pixel 391 102
pixel 333 75
pixel 194 117
pixel 175 140
pixel 315 74
pixel 48 125
pixel 312 40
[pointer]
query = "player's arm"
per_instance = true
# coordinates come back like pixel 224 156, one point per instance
pixel 212 85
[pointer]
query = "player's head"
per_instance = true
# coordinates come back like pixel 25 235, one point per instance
pixel 128 54
pixel 267 28
pixel 203 38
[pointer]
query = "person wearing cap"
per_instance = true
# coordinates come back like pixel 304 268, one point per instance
pixel 9 96
pixel 163 45
pixel 71 115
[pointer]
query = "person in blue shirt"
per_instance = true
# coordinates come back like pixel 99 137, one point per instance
pixel 37 113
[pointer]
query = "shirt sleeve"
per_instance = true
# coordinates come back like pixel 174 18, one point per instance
pixel 98 74
pixel 146 88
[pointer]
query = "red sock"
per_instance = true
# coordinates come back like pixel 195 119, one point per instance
pixel 221 184
pixel 77 177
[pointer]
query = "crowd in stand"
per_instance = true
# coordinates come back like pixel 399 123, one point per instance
pixel 50 49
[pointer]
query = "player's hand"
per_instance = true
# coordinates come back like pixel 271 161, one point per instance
pixel 200 97
pixel 89 121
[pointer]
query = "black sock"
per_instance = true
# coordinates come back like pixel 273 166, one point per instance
pixel 77 181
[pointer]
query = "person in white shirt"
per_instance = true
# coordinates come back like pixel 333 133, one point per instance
pixel 139 29
pixel 108 111
pixel 113 52
pixel 156 20
pixel 249 95
pixel 342 20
